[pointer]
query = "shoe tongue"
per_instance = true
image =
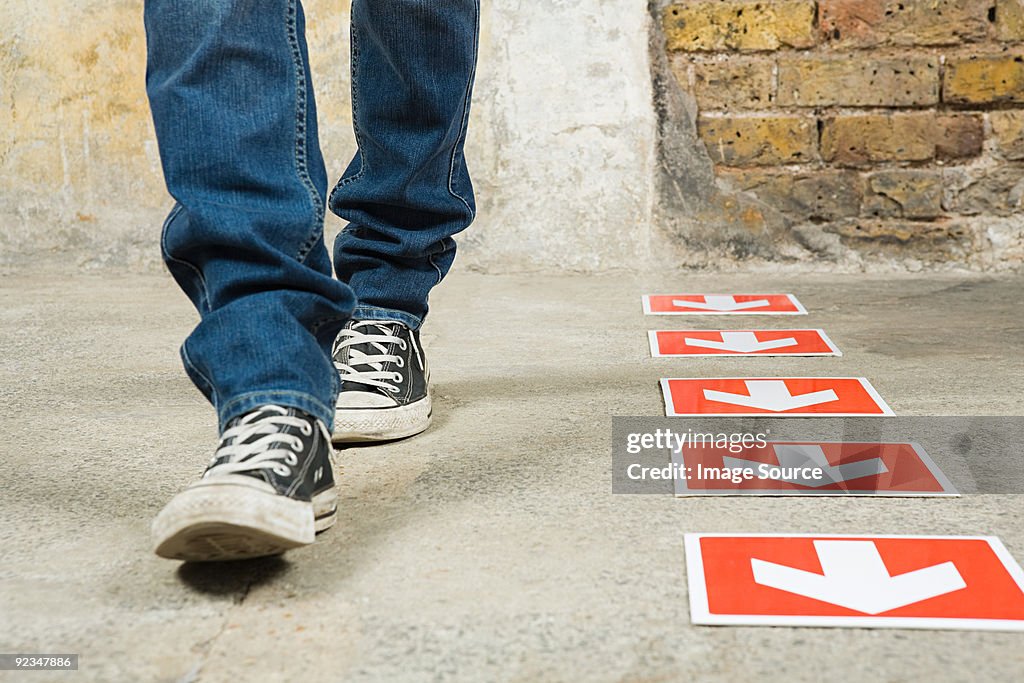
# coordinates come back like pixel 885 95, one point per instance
pixel 376 327
pixel 256 416
pixel 369 349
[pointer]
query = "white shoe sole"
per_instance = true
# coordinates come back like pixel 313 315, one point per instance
pixel 381 424
pixel 217 522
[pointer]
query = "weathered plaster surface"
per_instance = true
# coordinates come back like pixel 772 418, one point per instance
pixel 561 141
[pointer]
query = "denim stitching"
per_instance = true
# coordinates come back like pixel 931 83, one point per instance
pixel 273 392
pixel 430 259
pixel 353 62
pixel 204 302
pixel 462 132
pixel 301 166
pixel 465 116
pixel 386 314
pixel 200 374
pixel 258 396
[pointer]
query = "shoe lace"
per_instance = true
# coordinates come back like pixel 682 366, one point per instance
pixel 363 366
pixel 255 443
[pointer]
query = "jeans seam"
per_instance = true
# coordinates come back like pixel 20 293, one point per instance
pixel 465 116
pixel 460 138
pixel 430 259
pixel 353 62
pixel 301 113
pixel 199 373
pixel 204 303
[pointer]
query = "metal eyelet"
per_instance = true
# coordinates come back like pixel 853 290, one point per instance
pixel 282 471
pixel 400 362
pixel 399 377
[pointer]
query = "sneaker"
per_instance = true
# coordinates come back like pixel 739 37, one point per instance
pixel 268 488
pixel 384 376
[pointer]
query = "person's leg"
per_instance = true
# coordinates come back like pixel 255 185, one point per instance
pixel 233 108
pixel 236 124
pixel 404 196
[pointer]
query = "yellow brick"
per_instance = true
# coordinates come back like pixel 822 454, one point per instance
pixel 867 23
pixel 981 80
pixel 715 26
pixel 860 139
pixel 733 84
pixel 858 81
pixel 759 141
pixel 856 140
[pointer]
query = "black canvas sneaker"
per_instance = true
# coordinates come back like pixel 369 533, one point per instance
pixel 269 488
pixel 384 376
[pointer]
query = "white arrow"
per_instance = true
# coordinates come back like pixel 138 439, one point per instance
pixel 800 456
pixel 771 394
pixel 720 302
pixel 741 342
pixel 855 577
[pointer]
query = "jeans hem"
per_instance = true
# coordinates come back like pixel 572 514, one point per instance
pixel 240 405
pixel 364 312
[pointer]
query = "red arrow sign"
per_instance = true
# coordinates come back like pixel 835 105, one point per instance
pixel 807 468
pixel 722 304
pixel 741 343
pixel 780 396
pixel 866 581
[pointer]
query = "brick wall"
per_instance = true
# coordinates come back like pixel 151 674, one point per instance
pixel 897 122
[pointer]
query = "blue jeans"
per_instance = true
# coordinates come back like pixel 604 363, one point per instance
pixel 233 107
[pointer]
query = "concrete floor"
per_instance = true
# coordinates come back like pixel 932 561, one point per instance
pixel 490 548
